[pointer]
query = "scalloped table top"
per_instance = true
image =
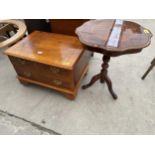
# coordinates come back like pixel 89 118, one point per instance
pixel 116 37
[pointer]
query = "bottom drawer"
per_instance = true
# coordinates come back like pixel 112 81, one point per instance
pixel 55 82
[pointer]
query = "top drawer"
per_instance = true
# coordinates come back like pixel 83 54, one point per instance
pixel 35 68
pixel 58 73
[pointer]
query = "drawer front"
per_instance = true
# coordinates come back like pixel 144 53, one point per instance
pixel 24 68
pixel 55 82
pixel 55 72
pixel 42 73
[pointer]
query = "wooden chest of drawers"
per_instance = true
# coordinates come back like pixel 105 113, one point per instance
pixel 50 60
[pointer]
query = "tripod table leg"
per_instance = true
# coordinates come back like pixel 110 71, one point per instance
pixel 104 75
pixel 109 84
pixel 92 81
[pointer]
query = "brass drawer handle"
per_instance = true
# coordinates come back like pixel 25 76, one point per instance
pixel 27 74
pixel 57 82
pixel 54 70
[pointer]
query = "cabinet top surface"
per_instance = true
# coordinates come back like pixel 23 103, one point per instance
pixel 118 36
pixel 48 48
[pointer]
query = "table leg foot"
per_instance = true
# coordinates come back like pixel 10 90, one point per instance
pixel 102 80
pixel 92 81
pixel 109 84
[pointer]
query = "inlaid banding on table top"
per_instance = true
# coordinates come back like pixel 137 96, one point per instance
pixel 97 34
pixel 115 34
pixel 115 38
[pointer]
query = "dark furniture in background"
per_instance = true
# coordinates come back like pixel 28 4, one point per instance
pixel 37 24
pixel 66 26
pixel 61 26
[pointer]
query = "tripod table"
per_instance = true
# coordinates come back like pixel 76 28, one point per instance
pixel 112 38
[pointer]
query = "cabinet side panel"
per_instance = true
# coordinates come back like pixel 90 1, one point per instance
pixel 81 64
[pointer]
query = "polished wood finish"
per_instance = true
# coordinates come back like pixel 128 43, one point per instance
pixel 112 38
pixel 51 60
pixel 95 34
pixel 149 69
pixel 48 48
